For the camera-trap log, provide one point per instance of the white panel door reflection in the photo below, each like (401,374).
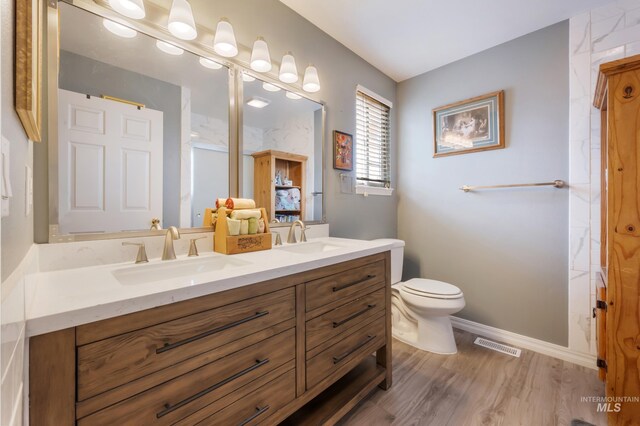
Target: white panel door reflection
(110,164)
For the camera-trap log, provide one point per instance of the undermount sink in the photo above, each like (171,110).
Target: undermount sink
(311,247)
(186,268)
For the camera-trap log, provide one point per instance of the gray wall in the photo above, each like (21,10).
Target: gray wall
(17,228)
(84,75)
(506,249)
(340,71)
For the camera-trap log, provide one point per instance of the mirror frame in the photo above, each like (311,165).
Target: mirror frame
(147,26)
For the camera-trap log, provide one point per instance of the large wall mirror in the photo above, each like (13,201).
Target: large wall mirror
(143,133)
(282,151)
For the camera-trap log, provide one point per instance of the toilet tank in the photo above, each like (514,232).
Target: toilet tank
(397,256)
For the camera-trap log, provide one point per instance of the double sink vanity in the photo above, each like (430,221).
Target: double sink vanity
(278,336)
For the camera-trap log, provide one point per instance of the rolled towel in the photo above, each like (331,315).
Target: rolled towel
(234,226)
(240,203)
(246,214)
(244,227)
(220,202)
(261,226)
(253,225)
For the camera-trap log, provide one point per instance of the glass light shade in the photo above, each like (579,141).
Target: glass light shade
(181,22)
(133,9)
(270,87)
(208,63)
(119,29)
(224,42)
(248,78)
(288,70)
(169,48)
(293,96)
(311,82)
(260,58)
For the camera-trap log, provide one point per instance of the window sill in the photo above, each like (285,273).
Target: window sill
(373,190)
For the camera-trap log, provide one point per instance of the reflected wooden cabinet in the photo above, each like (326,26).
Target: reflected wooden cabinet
(618,312)
(292,167)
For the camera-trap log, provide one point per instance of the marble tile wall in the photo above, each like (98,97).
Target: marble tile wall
(597,36)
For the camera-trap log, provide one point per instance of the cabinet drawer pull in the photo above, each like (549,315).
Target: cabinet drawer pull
(258,412)
(342,287)
(355,315)
(337,359)
(168,408)
(169,346)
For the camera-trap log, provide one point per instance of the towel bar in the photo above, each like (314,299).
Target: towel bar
(556,184)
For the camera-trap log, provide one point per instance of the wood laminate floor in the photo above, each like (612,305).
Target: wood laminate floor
(478,386)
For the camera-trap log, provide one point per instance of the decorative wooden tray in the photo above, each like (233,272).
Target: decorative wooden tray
(234,244)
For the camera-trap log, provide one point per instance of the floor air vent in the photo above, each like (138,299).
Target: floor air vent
(497,347)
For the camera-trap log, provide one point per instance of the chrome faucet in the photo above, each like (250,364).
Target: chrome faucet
(169,252)
(291,238)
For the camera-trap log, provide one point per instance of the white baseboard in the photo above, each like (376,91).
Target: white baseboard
(524,342)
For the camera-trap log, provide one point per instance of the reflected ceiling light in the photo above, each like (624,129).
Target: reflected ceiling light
(260,58)
(169,48)
(224,42)
(181,22)
(258,102)
(208,63)
(293,96)
(248,78)
(119,29)
(311,82)
(270,87)
(288,70)
(133,9)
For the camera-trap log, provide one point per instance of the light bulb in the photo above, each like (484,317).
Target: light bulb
(119,29)
(270,87)
(293,96)
(260,58)
(133,9)
(208,63)
(288,70)
(181,22)
(224,42)
(248,78)
(311,82)
(169,48)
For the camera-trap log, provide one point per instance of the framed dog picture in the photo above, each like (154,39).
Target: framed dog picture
(472,125)
(342,151)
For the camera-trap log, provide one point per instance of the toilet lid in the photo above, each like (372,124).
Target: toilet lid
(432,288)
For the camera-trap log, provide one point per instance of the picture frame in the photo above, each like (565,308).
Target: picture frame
(342,151)
(28,66)
(471,125)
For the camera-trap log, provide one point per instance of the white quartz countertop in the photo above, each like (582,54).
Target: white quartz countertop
(61,299)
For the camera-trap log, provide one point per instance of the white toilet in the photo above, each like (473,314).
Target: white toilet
(420,308)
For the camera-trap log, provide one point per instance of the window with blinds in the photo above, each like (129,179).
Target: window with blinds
(372,141)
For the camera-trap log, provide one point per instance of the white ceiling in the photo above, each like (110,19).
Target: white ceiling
(404,38)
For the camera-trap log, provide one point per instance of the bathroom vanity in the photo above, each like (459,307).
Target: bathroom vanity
(285,335)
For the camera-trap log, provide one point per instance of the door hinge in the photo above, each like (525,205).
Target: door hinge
(601,363)
(601,304)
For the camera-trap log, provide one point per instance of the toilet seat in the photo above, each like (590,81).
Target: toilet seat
(432,288)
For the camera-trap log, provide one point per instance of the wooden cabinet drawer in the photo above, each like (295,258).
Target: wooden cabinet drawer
(344,353)
(344,285)
(336,321)
(112,362)
(254,408)
(184,395)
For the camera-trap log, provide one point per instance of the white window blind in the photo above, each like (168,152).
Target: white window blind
(372,141)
